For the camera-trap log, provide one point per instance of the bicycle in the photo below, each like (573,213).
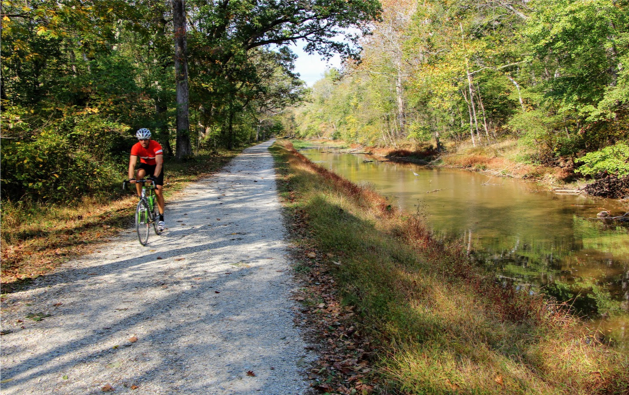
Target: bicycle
(146,213)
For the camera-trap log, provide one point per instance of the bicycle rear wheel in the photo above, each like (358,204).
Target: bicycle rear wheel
(156,219)
(142,221)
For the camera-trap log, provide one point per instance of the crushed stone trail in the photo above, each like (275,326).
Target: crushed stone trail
(205,308)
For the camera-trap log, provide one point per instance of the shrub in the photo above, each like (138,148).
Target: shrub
(64,166)
(613,160)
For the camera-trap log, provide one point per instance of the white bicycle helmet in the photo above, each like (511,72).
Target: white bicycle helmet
(143,134)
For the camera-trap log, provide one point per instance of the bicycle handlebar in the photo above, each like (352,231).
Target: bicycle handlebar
(142,181)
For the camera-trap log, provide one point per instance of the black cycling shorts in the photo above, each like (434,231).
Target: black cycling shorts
(150,170)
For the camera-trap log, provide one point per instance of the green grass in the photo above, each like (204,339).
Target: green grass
(439,324)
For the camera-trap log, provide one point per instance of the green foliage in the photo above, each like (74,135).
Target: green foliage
(585,298)
(78,77)
(483,69)
(62,168)
(613,160)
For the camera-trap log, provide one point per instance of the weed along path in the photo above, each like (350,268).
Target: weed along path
(205,308)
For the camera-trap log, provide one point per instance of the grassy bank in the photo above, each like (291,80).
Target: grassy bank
(37,238)
(408,314)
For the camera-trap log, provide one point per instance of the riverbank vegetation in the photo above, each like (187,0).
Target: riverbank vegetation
(408,314)
(480,73)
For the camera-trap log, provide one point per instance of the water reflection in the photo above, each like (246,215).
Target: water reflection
(533,236)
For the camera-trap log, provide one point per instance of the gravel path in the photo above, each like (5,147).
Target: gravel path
(204,308)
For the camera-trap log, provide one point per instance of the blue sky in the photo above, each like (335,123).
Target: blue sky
(311,67)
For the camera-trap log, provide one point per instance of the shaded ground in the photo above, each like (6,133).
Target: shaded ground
(204,308)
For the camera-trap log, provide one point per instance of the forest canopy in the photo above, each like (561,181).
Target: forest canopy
(80,76)
(553,74)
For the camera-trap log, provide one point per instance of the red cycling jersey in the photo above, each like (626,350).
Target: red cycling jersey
(147,155)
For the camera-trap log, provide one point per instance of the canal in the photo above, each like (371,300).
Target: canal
(542,240)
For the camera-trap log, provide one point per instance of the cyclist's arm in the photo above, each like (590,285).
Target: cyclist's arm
(132,161)
(159,160)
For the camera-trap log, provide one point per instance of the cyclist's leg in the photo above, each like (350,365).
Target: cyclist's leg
(139,174)
(159,191)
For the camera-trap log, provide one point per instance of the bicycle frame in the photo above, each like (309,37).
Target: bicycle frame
(146,211)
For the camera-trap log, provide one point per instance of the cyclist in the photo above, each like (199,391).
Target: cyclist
(151,163)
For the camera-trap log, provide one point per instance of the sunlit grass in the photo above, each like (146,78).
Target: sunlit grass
(441,324)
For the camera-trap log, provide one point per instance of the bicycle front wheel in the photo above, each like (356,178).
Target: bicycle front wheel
(142,221)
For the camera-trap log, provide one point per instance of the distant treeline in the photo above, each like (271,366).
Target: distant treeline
(552,73)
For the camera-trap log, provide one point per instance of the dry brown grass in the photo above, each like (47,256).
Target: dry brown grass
(440,325)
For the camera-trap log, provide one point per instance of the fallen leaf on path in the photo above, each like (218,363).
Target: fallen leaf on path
(107,388)
(159,257)
(251,374)
(133,339)
(134,387)
(57,304)
(37,316)
(180,259)
(312,255)
(216,292)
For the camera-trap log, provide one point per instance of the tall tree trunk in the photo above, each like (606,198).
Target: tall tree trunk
(401,107)
(160,109)
(482,106)
(517,86)
(184,148)
(469,110)
(3,93)
(470,85)
(471,90)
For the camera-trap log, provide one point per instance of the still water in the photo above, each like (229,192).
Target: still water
(522,232)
